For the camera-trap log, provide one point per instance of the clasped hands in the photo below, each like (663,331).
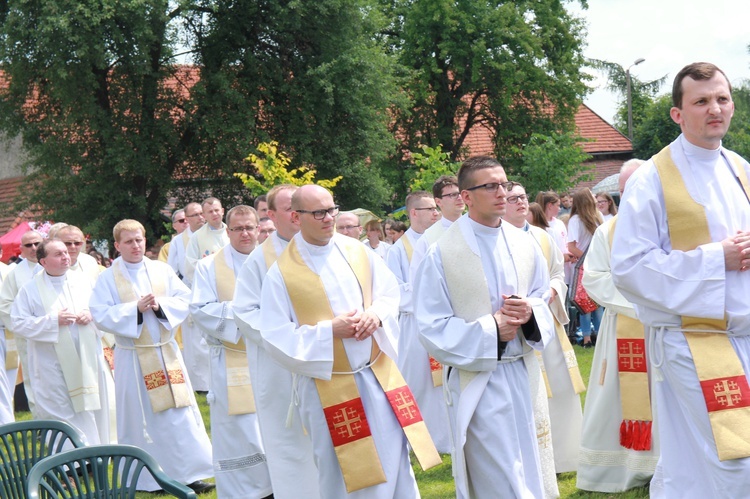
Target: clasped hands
(737,251)
(357,325)
(514,313)
(148,302)
(65,318)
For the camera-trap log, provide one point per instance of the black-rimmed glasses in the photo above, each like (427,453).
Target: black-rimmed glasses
(516,199)
(247,229)
(493,187)
(321,214)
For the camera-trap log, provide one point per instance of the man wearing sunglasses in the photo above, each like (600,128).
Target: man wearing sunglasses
(179,224)
(194,220)
(486,308)
(20,274)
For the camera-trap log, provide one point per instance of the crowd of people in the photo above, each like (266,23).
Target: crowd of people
(330,346)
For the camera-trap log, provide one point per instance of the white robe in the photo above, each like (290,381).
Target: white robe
(381,250)
(177,249)
(492,420)
(176,437)
(194,347)
(39,325)
(7,386)
(664,284)
(565,410)
(307,351)
(605,465)
(414,362)
(288,447)
(17,276)
(239,459)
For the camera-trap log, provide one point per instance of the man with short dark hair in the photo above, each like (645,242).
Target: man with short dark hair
(680,254)
(195,220)
(266,228)
(486,309)
(238,454)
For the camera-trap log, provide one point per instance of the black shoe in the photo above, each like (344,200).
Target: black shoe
(199,486)
(588,345)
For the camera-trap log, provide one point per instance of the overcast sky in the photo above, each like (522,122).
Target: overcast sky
(667,33)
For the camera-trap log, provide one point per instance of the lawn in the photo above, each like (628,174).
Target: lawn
(437,483)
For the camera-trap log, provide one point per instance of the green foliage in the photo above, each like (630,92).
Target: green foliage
(512,67)
(431,165)
(273,166)
(655,129)
(738,137)
(309,75)
(642,93)
(552,162)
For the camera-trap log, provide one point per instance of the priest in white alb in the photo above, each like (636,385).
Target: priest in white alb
(141,302)
(486,308)
(328,314)
(64,351)
(239,459)
(681,254)
(287,444)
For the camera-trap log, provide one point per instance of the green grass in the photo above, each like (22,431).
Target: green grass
(437,483)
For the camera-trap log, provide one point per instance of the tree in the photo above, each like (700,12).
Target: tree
(511,67)
(655,129)
(104,119)
(642,93)
(431,165)
(273,166)
(309,75)
(552,162)
(738,137)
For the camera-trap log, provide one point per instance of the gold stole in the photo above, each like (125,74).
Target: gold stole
(79,371)
(568,353)
(632,365)
(269,252)
(719,369)
(208,242)
(239,390)
(165,389)
(436,368)
(342,405)
(185,239)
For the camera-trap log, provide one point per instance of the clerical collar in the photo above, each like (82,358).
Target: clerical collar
(316,250)
(220,228)
(132,266)
(697,152)
(483,230)
(236,255)
(55,279)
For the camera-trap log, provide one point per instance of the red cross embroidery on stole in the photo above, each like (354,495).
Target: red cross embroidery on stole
(155,379)
(176,377)
(347,422)
(631,355)
(404,406)
(434,364)
(726,393)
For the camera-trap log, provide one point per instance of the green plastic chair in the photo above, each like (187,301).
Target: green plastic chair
(25,443)
(112,472)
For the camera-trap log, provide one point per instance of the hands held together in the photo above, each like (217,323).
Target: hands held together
(355,325)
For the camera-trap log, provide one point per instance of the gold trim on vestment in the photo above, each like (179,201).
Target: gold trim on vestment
(719,369)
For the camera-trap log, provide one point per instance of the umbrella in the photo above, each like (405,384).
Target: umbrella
(609,184)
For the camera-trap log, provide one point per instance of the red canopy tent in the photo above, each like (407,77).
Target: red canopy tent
(11,241)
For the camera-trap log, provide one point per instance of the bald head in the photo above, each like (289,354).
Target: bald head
(29,242)
(309,202)
(348,224)
(626,171)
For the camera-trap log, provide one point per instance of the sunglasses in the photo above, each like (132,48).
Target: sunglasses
(30,245)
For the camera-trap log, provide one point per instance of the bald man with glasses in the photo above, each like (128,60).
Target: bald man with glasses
(20,274)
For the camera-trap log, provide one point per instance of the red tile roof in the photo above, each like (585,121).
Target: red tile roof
(606,137)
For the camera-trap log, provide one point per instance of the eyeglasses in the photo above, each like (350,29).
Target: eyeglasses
(73,243)
(452,195)
(180,221)
(516,199)
(348,227)
(321,214)
(240,230)
(493,187)
(429,208)
(31,245)
(195,215)
(602,201)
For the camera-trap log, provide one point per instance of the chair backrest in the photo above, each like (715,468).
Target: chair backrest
(111,471)
(23,444)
